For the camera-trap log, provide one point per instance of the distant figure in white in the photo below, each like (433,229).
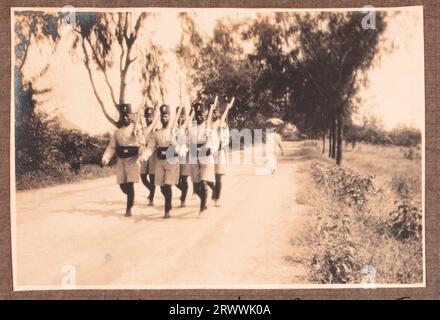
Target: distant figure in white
(274,143)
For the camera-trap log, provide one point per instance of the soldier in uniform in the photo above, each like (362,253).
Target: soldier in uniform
(185,170)
(200,155)
(148,168)
(164,142)
(221,133)
(126,144)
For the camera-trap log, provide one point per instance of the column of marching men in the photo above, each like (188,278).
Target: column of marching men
(167,151)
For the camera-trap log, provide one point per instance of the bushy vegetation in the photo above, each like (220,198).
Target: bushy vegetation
(371,131)
(45,152)
(345,186)
(359,220)
(48,154)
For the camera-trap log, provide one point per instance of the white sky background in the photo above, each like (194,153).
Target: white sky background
(395,94)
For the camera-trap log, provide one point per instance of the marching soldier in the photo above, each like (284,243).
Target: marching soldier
(125,143)
(200,156)
(148,168)
(221,132)
(163,141)
(185,170)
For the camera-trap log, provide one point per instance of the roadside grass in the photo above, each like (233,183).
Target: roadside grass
(362,221)
(61,175)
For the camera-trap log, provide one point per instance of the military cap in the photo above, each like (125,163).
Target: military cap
(182,111)
(199,108)
(149,111)
(124,108)
(164,109)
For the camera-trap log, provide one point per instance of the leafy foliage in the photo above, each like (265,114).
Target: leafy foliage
(347,229)
(345,186)
(406,221)
(33,25)
(371,131)
(337,262)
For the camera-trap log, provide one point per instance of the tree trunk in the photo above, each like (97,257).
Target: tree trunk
(124,72)
(334,139)
(339,140)
(323,143)
(330,142)
(122,87)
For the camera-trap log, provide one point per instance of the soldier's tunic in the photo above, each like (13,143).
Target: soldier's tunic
(185,168)
(201,157)
(149,166)
(220,154)
(166,170)
(124,143)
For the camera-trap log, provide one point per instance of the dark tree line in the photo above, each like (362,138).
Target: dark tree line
(305,68)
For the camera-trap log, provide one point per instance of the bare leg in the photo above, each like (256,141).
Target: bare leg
(152,189)
(167,193)
(203,195)
(183,186)
(218,189)
(128,189)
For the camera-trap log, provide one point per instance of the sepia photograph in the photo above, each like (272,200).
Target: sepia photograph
(217,148)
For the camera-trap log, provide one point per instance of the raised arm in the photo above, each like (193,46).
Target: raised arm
(210,112)
(188,119)
(176,118)
(225,113)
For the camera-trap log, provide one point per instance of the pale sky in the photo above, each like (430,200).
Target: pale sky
(395,94)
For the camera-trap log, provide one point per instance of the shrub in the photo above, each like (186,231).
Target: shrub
(345,186)
(406,136)
(352,220)
(406,221)
(335,258)
(404,186)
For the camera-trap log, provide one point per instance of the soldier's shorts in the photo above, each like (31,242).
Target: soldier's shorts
(185,168)
(203,170)
(149,167)
(127,170)
(221,161)
(166,173)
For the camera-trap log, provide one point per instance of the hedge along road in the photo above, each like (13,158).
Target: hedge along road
(77,234)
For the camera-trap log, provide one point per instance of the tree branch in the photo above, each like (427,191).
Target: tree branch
(138,24)
(89,71)
(104,71)
(20,67)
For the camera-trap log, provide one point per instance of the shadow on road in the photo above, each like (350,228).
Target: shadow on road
(141,212)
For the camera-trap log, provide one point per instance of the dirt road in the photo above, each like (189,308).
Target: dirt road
(78,231)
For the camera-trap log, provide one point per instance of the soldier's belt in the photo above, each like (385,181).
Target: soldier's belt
(162,152)
(127,152)
(202,148)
